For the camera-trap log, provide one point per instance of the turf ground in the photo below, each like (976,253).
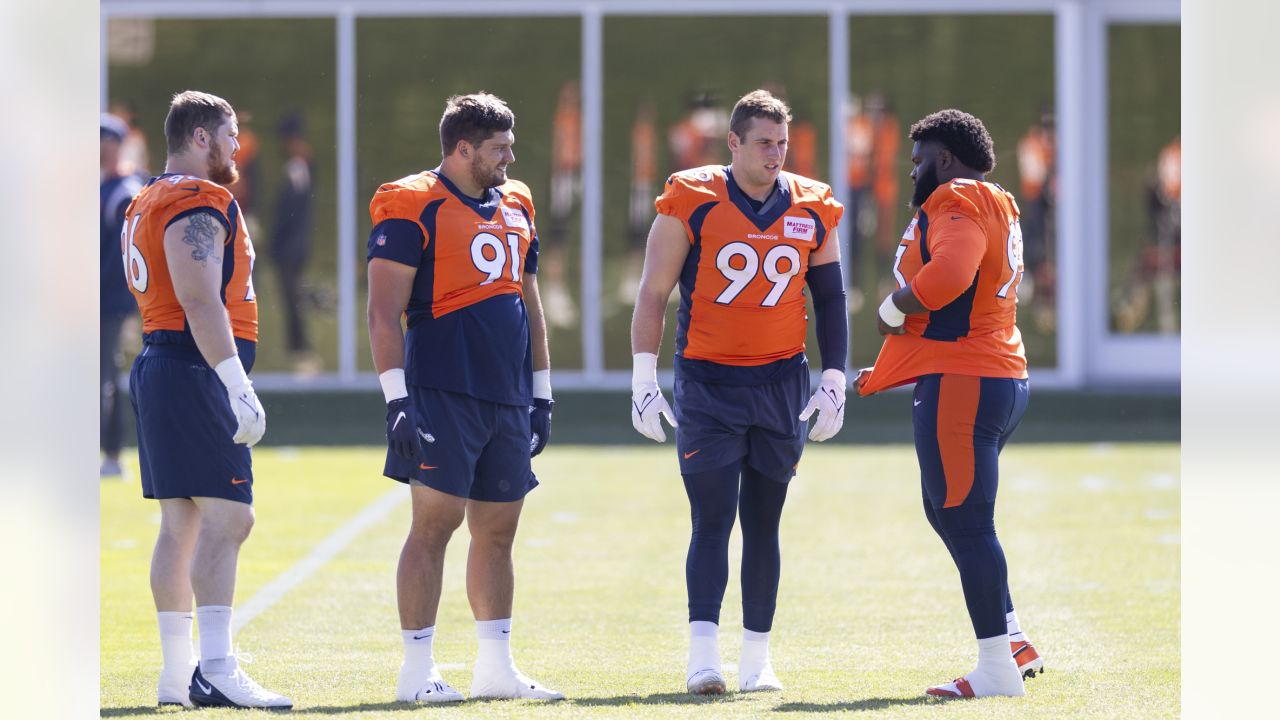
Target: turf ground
(870,610)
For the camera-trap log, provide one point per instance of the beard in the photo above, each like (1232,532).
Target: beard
(487,177)
(926,183)
(225,173)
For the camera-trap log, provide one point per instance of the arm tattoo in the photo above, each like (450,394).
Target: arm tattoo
(200,234)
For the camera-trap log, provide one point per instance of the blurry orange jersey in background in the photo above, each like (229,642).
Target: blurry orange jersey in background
(962,256)
(742,286)
(165,200)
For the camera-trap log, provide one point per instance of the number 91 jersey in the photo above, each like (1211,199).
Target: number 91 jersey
(742,297)
(468,328)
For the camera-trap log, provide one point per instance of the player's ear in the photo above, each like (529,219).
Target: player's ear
(734,141)
(463,148)
(945,158)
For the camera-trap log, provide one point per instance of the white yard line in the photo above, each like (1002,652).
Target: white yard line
(337,541)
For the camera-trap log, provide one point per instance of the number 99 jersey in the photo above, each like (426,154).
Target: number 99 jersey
(468,328)
(962,256)
(742,298)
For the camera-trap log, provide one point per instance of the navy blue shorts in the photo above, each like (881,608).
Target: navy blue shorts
(480,449)
(961,424)
(720,425)
(185,426)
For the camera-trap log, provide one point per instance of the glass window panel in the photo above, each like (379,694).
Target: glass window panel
(901,68)
(1144,178)
(287,158)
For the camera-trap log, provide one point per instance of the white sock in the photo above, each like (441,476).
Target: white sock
(704,647)
(997,673)
(419,661)
(755,652)
(175,643)
(215,639)
(1014,629)
(495,645)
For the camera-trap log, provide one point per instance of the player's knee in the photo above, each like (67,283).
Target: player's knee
(231,528)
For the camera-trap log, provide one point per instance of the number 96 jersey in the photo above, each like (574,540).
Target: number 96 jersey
(742,287)
(468,328)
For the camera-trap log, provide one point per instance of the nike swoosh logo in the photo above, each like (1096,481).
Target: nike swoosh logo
(917,402)
(193,188)
(834,399)
(249,405)
(423,466)
(506,632)
(398,419)
(648,400)
(203,688)
(691,454)
(234,481)
(420,637)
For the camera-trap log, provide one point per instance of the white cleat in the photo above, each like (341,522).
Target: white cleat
(433,690)
(510,686)
(175,689)
(234,690)
(707,681)
(763,681)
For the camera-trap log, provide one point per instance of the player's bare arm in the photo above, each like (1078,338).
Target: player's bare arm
(193,248)
(390,285)
(829,252)
(537,323)
(664,257)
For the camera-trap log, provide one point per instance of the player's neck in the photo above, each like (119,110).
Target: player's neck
(461,179)
(186,165)
(757,192)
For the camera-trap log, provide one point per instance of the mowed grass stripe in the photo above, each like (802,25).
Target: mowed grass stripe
(870,609)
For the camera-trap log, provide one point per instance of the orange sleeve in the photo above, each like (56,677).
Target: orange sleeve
(682,194)
(192,196)
(394,201)
(522,193)
(832,210)
(956,247)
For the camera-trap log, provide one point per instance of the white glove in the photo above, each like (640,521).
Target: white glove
(828,402)
(647,403)
(251,419)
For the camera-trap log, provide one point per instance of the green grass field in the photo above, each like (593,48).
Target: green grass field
(870,610)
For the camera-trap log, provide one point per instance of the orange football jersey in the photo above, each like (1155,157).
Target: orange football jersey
(165,200)
(962,256)
(742,286)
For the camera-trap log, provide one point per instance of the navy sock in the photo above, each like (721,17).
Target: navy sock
(713,503)
(760,509)
(970,534)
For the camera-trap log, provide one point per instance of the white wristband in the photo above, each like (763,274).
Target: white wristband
(231,372)
(393,387)
(542,384)
(644,369)
(890,314)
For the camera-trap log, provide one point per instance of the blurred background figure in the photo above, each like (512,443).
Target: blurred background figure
(133,149)
(802,136)
(119,183)
(566,193)
(1037,173)
(644,178)
(886,139)
(698,138)
(245,189)
(1158,268)
(290,243)
(857,150)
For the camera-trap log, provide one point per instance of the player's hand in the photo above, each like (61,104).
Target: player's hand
(648,407)
(862,377)
(404,431)
(828,402)
(251,419)
(539,425)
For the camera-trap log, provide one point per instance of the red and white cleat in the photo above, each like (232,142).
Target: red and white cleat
(1029,661)
(958,688)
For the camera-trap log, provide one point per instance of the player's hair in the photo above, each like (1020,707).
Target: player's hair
(757,104)
(191,109)
(961,133)
(473,118)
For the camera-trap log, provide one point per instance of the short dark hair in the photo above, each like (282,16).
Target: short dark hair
(473,118)
(962,134)
(191,109)
(757,104)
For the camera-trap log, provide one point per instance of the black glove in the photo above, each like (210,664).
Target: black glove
(539,425)
(404,431)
